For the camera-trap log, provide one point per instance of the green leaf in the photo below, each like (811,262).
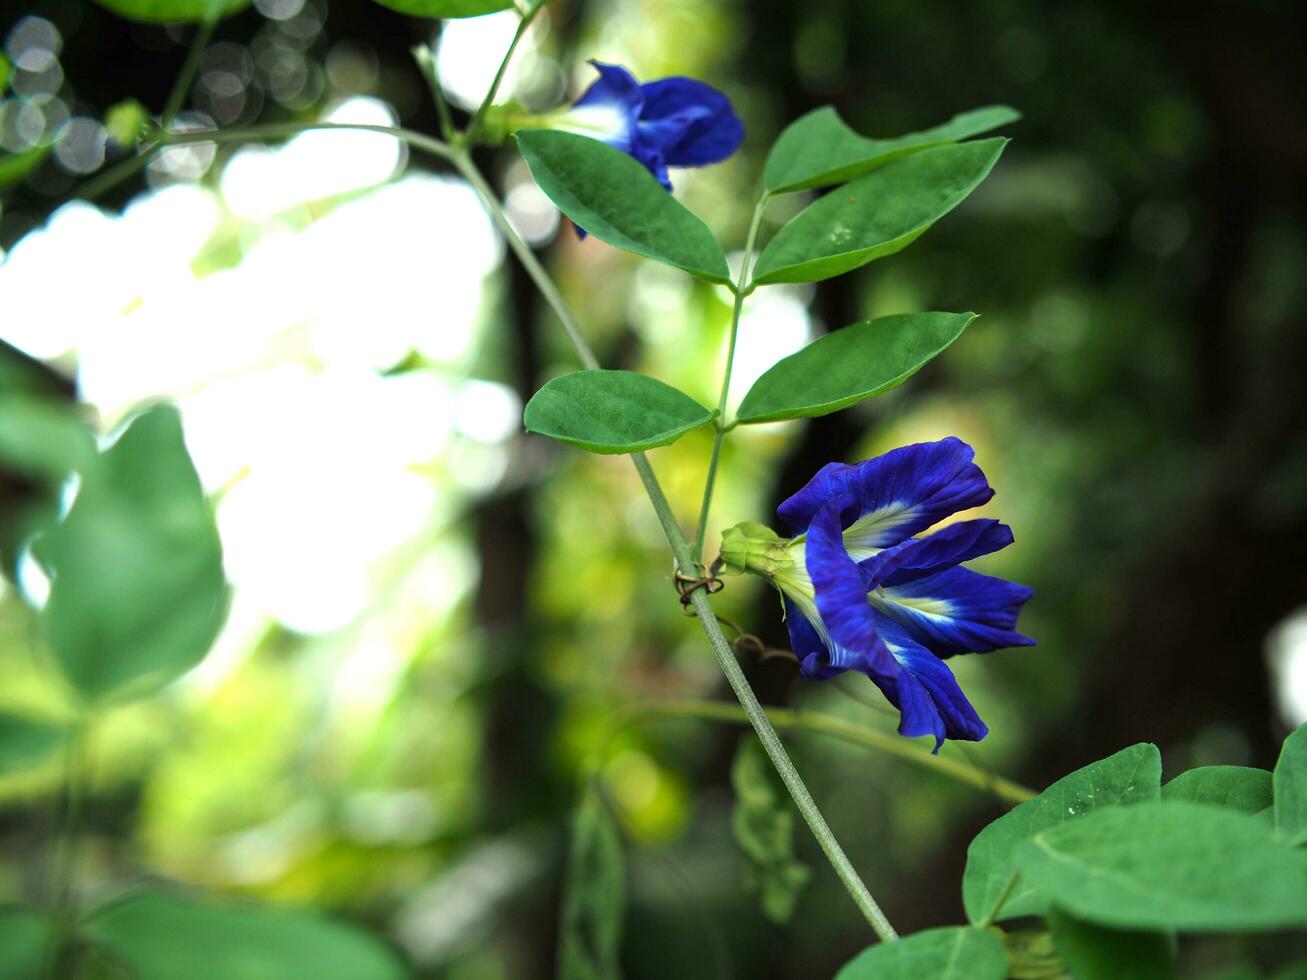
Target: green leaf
(6,70)
(1291,788)
(159,936)
(1169,865)
(845,367)
(952,953)
(613,412)
(877,214)
(1094,952)
(613,197)
(1233,787)
(1131,775)
(15,166)
(820,149)
(26,944)
(763,821)
(172,11)
(42,438)
(26,741)
(137,593)
(446,9)
(126,122)
(594,898)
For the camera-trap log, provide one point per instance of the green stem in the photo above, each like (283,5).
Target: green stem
(191,66)
(742,289)
(427,65)
(64,890)
(474,127)
(823,724)
(274,131)
(685,562)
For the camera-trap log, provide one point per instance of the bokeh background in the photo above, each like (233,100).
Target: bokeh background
(436,618)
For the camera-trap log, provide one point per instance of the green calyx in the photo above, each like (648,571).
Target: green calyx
(756,548)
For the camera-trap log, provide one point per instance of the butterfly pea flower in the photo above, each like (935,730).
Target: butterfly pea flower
(865,589)
(669,122)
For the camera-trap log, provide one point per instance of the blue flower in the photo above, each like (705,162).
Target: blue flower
(671,122)
(863,592)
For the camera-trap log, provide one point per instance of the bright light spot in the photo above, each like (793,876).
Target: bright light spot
(1286,654)
(486,411)
(22,124)
(33,44)
(531,213)
(80,146)
(32,580)
(279,9)
(188,161)
(775,324)
(259,182)
(469,53)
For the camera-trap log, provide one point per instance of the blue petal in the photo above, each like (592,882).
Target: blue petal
(615,101)
(949,546)
(709,128)
(894,496)
(841,596)
(928,694)
(956,611)
(814,663)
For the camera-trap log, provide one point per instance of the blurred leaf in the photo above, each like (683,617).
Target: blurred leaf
(1131,775)
(26,944)
(1094,952)
(446,8)
(877,214)
(171,11)
(15,166)
(1295,971)
(125,122)
(844,367)
(6,70)
(164,937)
(1291,787)
(137,593)
(1233,787)
(26,741)
(952,953)
(594,898)
(42,438)
(612,411)
(819,148)
(1172,865)
(613,197)
(763,821)
(1032,956)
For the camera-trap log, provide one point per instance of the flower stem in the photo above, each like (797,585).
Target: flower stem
(824,724)
(474,127)
(191,66)
(742,289)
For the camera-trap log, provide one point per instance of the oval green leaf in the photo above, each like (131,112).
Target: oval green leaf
(1291,788)
(26,943)
(876,215)
(614,198)
(820,149)
(447,9)
(162,937)
(951,953)
(137,593)
(1233,787)
(1169,865)
(25,742)
(1131,775)
(613,412)
(173,11)
(1094,952)
(857,362)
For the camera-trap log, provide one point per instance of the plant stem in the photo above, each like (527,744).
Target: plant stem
(474,127)
(273,131)
(191,66)
(823,724)
(427,65)
(63,881)
(742,289)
